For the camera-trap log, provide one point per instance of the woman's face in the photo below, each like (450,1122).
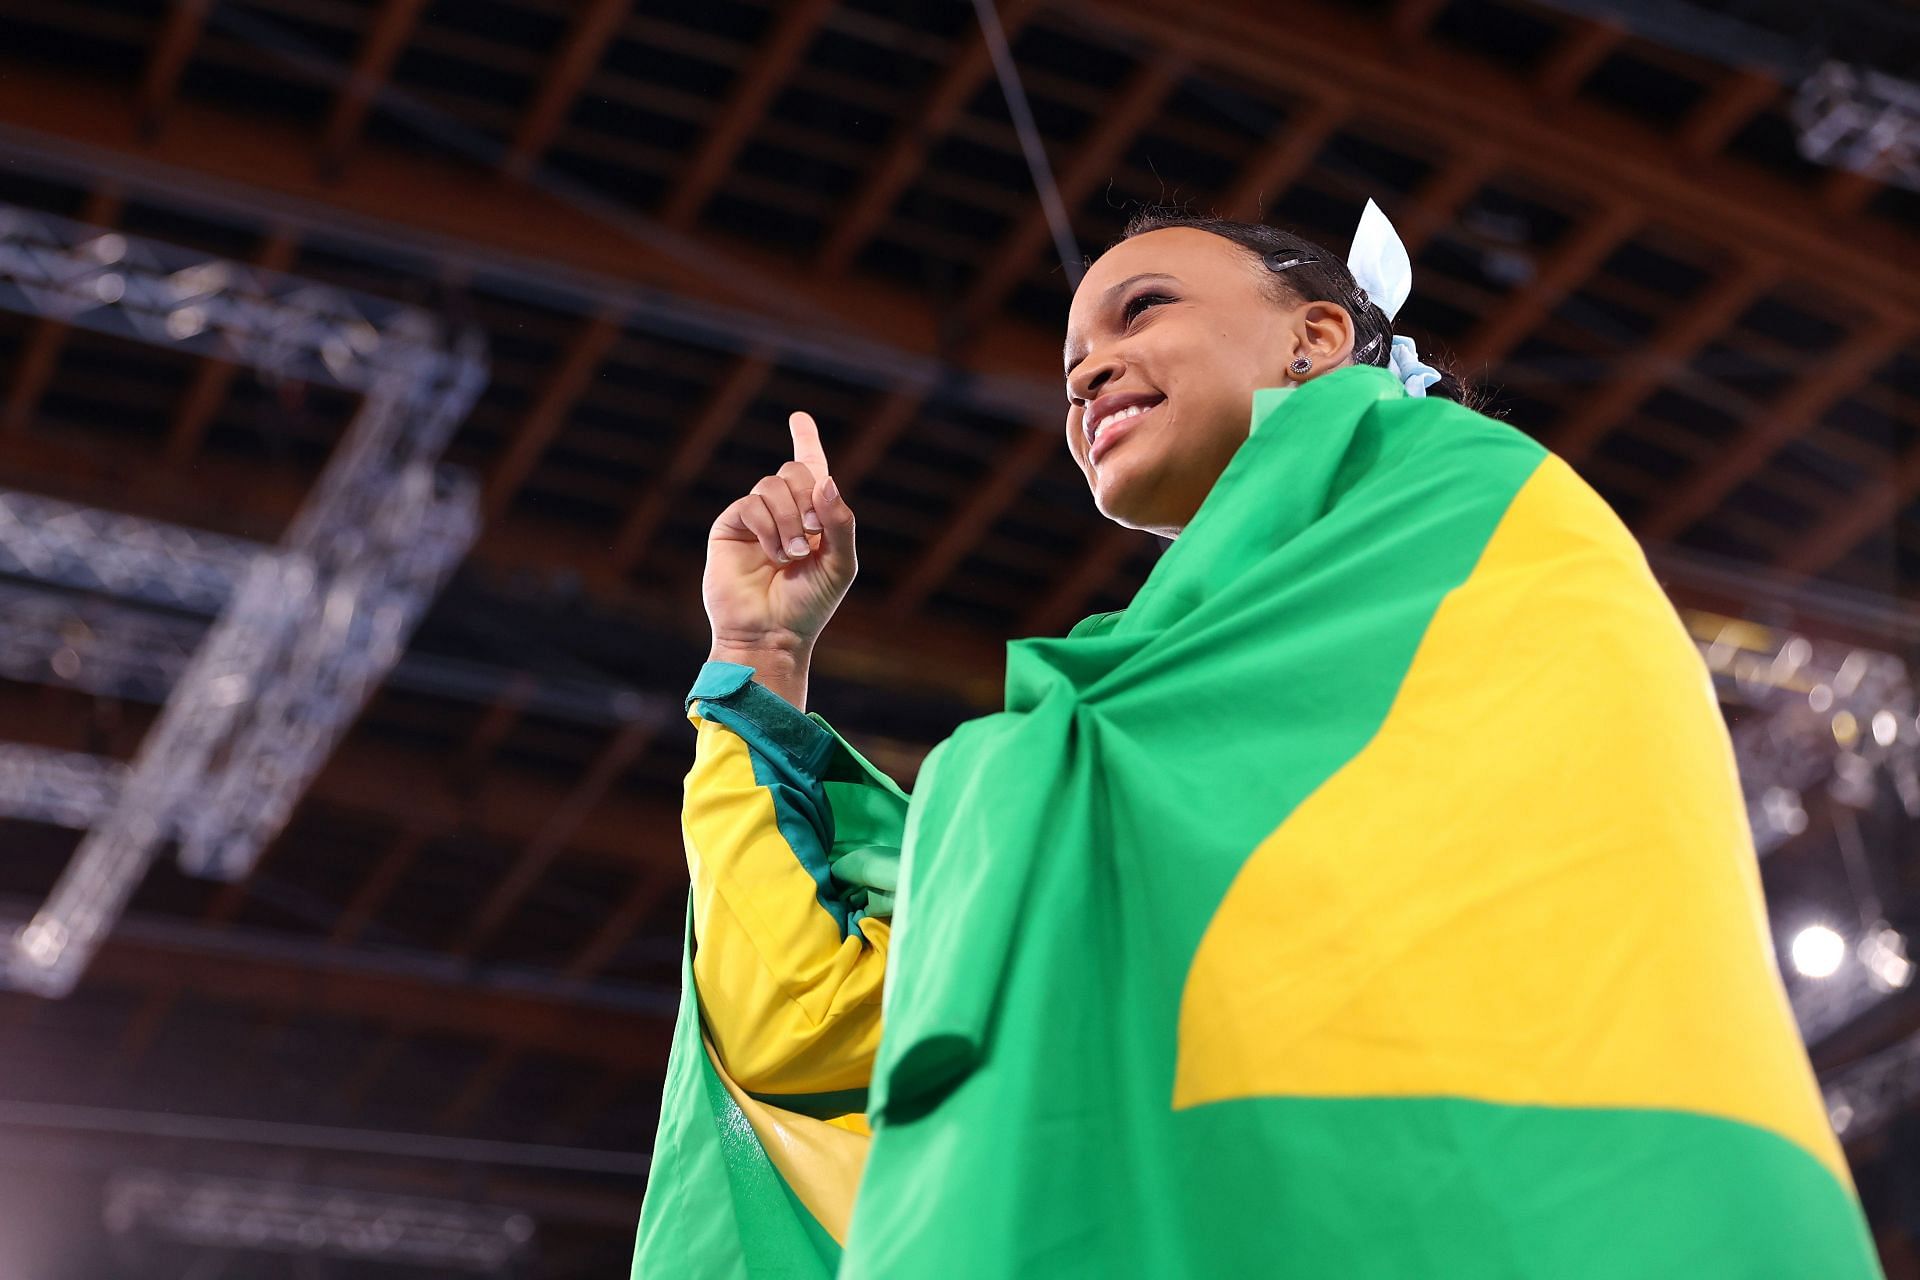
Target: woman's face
(1175,328)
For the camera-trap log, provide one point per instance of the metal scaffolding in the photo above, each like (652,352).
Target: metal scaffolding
(305,630)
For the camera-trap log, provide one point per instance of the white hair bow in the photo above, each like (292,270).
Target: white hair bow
(1384,272)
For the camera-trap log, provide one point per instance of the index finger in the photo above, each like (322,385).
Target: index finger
(806,443)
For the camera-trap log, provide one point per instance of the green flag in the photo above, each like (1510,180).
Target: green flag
(1372,897)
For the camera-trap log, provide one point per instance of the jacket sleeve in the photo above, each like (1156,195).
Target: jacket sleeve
(792,842)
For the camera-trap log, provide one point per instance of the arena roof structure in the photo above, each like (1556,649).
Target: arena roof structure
(451,975)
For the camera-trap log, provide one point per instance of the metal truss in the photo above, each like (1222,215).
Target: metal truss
(1857,118)
(1832,716)
(105,647)
(1818,714)
(287,1217)
(305,630)
(60,788)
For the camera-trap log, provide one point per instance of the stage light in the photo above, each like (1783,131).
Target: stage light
(1783,810)
(1883,953)
(1886,727)
(1818,951)
(1846,729)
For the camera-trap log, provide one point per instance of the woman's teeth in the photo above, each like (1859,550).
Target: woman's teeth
(1131,411)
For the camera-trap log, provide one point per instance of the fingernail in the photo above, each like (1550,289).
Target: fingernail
(830,491)
(798,546)
(811,520)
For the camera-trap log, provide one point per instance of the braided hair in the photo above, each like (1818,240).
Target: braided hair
(1298,270)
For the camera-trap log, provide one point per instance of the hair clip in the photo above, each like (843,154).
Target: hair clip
(1277,263)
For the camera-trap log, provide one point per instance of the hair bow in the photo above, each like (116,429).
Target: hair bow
(1384,272)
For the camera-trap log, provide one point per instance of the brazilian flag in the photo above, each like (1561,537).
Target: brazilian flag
(1372,897)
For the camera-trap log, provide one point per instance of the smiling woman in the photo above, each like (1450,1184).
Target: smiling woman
(1173,330)
(1371,897)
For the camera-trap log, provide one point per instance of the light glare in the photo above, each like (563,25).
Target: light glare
(1817,951)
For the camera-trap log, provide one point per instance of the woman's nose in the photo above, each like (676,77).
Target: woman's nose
(1093,374)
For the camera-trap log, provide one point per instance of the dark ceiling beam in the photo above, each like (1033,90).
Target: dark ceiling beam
(47,337)
(1566,265)
(560,827)
(760,80)
(459,216)
(1578,55)
(1852,521)
(1737,99)
(1439,198)
(594,28)
(142,1029)
(869,442)
(734,396)
(908,149)
(145,1026)
(1308,46)
(214,377)
(464,773)
(1885,1023)
(1098,563)
(415,992)
(648,888)
(512,808)
(1410,19)
(601,947)
(179,36)
(356,1084)
(477,1088)
(1265,178)
(1687,330)
(566,383)
(379,885)
(1845,192)
(1829,378)
(391,29)
(576,1121)
(471,763)
(1092,162)
(975,515)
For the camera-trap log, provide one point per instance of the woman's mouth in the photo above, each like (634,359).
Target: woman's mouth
(1115,428)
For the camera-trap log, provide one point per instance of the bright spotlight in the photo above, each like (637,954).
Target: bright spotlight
(1817,951)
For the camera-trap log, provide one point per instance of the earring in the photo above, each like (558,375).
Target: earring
(1301,367)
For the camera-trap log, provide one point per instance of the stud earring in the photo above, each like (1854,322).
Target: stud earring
(1301,367)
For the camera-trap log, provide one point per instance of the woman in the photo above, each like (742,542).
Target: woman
(1371,897)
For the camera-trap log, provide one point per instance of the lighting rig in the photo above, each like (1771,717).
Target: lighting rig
(314,1221)
(305,630)
(1833,718)
(1853,117)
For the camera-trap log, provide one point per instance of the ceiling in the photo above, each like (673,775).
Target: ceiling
(676,222)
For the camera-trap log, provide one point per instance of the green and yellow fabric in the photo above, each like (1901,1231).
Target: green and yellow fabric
(793,847)
(1372,897)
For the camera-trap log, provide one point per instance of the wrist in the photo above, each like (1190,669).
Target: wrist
(766,659)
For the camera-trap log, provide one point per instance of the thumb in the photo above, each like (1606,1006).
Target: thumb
(836,518)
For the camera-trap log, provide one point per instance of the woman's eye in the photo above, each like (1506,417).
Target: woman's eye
(1141,303)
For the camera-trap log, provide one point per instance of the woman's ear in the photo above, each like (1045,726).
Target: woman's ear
(1325,334)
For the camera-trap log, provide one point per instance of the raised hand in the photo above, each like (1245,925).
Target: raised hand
(780,559)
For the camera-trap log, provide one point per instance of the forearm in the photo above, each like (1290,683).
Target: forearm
(784,671)
(788,983)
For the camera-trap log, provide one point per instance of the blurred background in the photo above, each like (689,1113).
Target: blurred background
(371,370)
